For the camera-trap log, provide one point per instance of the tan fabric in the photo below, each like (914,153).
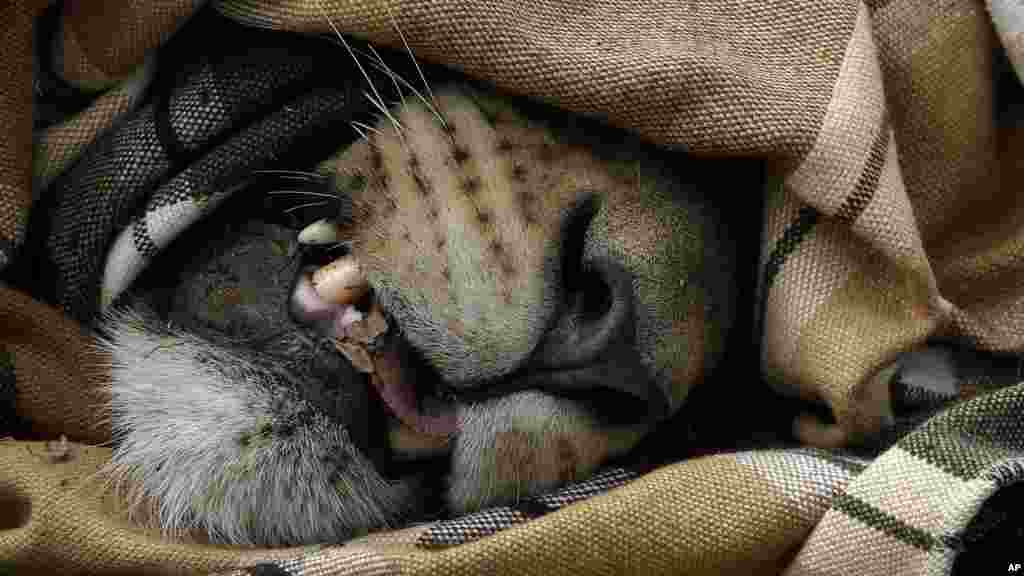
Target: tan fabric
(57,148)
(695,75)
(104,42)
(58,519)
(716,515)
(893,216)
(16,118)
(58,378)
(945,470)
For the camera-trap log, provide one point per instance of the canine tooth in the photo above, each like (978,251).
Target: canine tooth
(341,281)
(320,232)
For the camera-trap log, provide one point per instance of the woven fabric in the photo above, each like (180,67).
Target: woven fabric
(16,117)
(60,146)
(59,519)
(131,182)
(101,44)
(739,513)
(890,131)
(946,470)
(57,379)
(474,526)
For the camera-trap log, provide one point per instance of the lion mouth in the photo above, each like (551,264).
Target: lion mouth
(374,348)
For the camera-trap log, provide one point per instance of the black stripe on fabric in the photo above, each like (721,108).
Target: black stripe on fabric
(794,234)
(949,451)
(884,522)
(532,508)
(141,239)
(863,192)
(807,217)
(970,437)
(267,570)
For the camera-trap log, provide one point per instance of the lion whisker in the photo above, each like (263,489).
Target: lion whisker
(294,174)
(419,70)
(361,132)
(396,78)
(362,126)
(301,206)
(389,72)
(379,101)
(302,193)
(379,104)
(364,136)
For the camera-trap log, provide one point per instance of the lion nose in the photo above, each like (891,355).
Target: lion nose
(590,354)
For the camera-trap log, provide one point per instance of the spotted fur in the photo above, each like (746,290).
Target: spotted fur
(460,210)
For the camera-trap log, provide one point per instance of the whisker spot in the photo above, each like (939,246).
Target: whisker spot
(471,185)
(422,185)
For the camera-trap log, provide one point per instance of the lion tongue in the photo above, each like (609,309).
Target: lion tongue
(397,387)
(388,364)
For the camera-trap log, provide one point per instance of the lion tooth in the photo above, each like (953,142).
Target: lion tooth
(320,232)
(341,281)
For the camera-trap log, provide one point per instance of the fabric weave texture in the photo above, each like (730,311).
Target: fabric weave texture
(890,130)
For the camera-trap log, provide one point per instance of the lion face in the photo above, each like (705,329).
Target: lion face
(536,267)
(560,287)
(499,242)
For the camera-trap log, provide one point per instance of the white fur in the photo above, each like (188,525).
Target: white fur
(180,407)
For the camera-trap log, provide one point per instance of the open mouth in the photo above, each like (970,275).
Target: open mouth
(363,334)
